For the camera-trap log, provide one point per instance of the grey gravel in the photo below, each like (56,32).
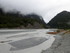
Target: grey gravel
(60,45)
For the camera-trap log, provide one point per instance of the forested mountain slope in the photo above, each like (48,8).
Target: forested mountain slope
(17,20)
(61,20)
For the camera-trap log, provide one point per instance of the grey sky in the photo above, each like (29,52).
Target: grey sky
(46,8)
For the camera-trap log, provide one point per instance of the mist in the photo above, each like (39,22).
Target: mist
(45,8)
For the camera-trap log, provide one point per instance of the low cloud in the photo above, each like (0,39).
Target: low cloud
(46,8)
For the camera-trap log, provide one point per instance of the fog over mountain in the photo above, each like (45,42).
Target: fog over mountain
(46,8)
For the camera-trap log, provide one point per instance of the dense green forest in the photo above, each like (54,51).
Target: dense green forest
(61,21)
(17,20)
(14,19)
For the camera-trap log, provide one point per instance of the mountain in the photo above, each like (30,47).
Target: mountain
(17,20)
(61,20)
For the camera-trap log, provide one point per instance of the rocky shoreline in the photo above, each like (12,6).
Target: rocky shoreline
(60,45)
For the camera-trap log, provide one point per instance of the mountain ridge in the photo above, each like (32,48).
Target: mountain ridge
(17,20)
(61,20)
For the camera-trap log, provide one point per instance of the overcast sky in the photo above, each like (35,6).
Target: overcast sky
(46,8)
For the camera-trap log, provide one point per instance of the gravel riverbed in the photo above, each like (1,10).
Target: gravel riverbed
(60,45)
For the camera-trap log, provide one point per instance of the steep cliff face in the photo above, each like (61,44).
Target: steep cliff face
(61,20)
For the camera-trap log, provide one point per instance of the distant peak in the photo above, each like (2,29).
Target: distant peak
(64,11)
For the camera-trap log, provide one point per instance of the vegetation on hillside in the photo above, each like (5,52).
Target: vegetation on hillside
(17,20)
(61,21)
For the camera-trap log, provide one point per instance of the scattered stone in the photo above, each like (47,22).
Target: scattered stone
(60,45)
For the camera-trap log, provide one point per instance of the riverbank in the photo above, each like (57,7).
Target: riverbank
(60,45)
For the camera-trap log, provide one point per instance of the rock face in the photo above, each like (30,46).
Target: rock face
(61,45)
(61,20)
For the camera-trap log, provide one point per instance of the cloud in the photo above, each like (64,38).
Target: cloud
(46,8)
